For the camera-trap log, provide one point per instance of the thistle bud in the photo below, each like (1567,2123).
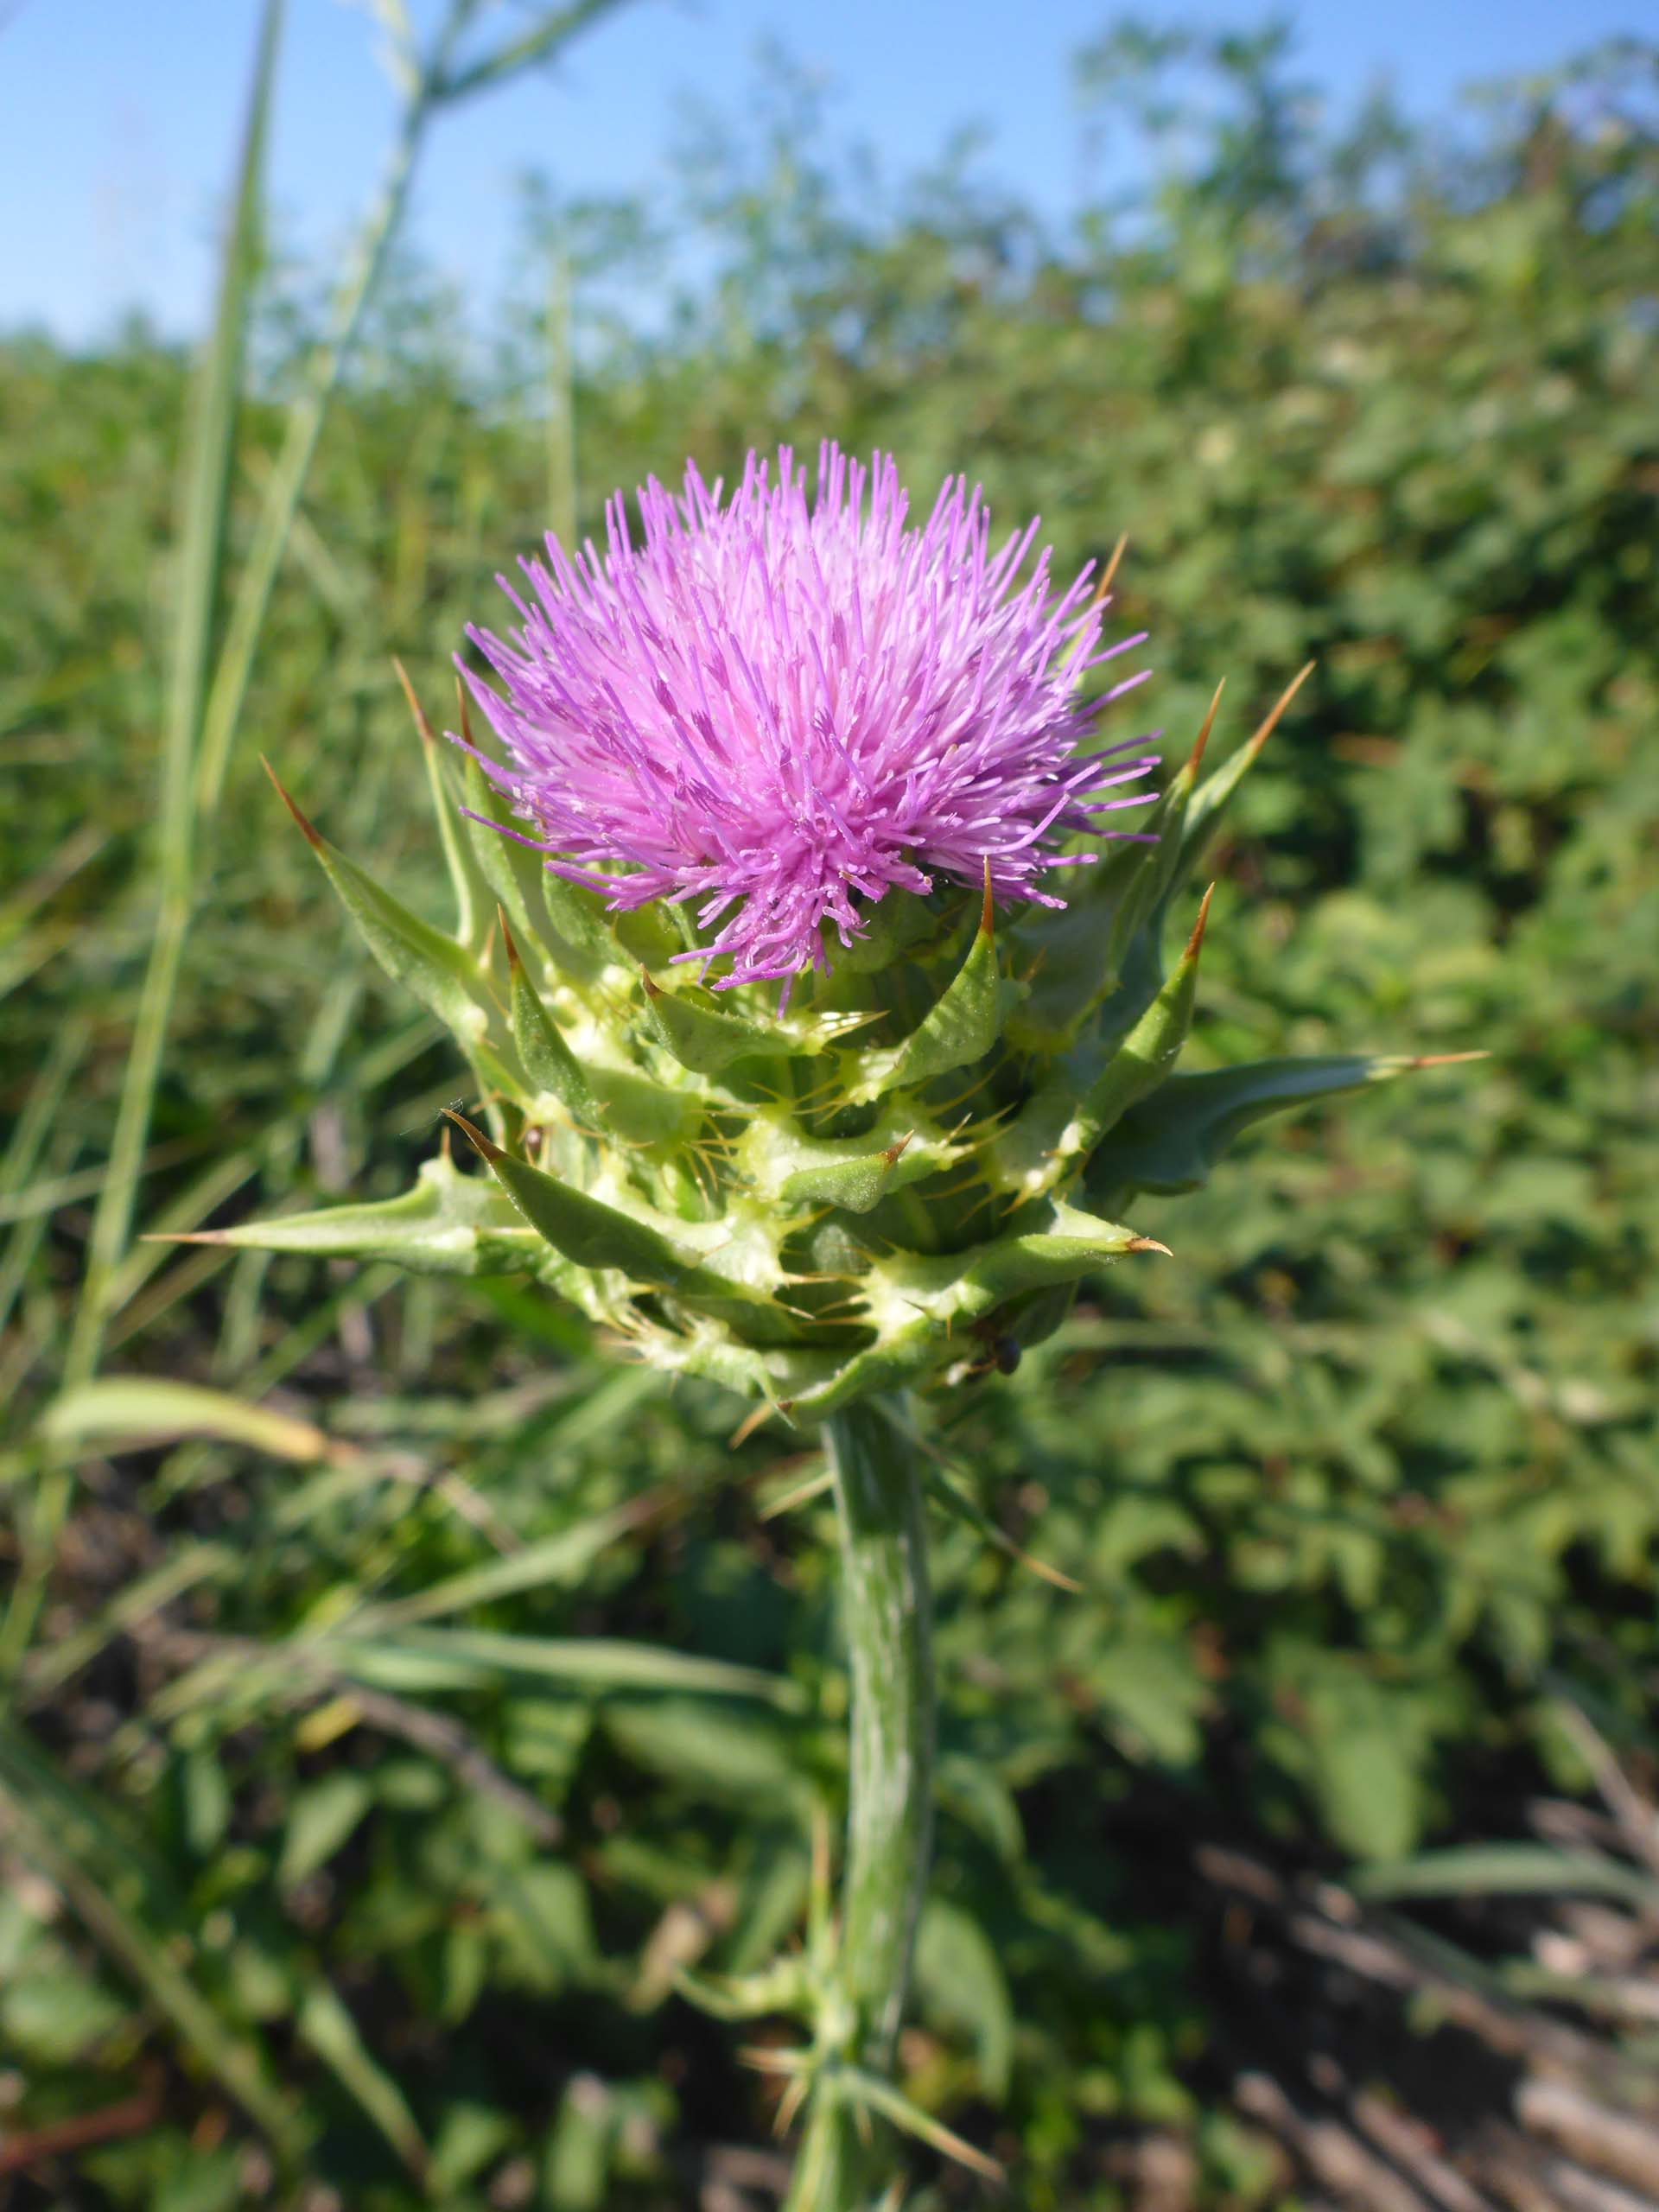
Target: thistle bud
(794,1068)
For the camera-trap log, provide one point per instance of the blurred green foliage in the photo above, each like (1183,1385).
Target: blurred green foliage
(331,1854)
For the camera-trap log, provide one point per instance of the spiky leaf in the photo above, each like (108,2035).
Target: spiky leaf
(1174,1138)
(562,916)
(780,1164)
(441,974)
(583,1229)
(547,1060)
(1066,1121)
(960,1027)
(590,1233)
(704,1039)
(449,1224)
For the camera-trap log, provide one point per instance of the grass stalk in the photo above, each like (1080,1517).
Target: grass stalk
(561,402)
(206,694)
(209,461)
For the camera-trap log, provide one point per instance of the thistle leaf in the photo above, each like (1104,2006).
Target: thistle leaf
(512,868)
(638,1111)
(1058,1129)
(1210,801)
(449,1224)
(780,1164)
(443,974)
(704,1039)
(1084,948)
(1173,1138)
(568,921)
(857,1183)
(590,1233)
(1067,1245)
(582,1230)
(919,1306)
(961,1027)
(466,877)
(547,1060)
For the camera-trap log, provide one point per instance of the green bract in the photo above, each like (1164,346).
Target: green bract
(904,1176)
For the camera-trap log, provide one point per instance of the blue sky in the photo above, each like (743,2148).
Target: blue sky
(118,117)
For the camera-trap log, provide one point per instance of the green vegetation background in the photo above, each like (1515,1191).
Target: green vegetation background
(1361,1484)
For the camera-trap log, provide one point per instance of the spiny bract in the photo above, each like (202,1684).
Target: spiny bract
(905,1173)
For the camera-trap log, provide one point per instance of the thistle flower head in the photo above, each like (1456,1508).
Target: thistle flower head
(778,709)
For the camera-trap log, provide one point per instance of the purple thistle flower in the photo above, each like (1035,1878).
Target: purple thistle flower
(784,709)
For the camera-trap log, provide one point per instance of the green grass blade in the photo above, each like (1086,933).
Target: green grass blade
(463,1658)
(34,1127)
(141,1410)
(560,1559)
(332,2033)
(204,507)
(205,503)
(561,402)
(183,1568)
(274,530)
(539,43)
(1506,1870)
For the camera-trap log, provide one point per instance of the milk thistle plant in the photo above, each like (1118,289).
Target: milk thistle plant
(812,982)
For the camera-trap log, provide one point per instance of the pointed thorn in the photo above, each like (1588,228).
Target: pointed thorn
(986,925)
(514,963)
(186,1236)
(1112,566)
(747,1426)
(1445,1059)
(789,2106)
(1053,1575)
(1196,940)
(485,1146)
(653,989)
(1146,1244)
(895,1153)
(1203,734)
(312,835)
(767,2059)
(1285,697)
(415,706)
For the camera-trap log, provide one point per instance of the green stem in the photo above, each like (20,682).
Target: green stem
(885,1605)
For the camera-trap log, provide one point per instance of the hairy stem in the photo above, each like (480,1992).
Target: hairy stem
(885,1601)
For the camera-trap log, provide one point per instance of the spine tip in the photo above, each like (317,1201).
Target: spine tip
(312,835)
(1209,724)
(415,706)
(1284,699)
(485,1148)
(1195,942)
